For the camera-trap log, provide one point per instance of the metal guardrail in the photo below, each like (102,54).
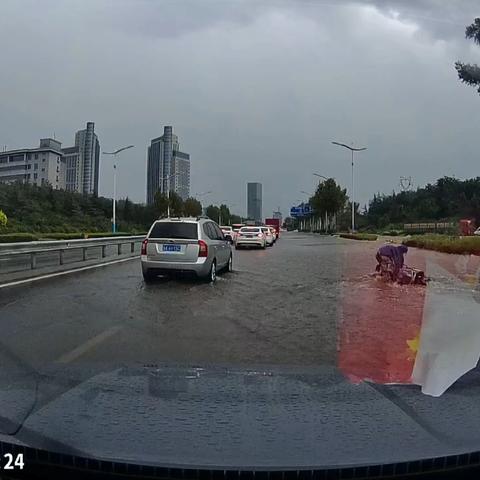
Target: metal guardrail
(61,246)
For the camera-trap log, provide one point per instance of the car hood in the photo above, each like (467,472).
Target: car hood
(262,417)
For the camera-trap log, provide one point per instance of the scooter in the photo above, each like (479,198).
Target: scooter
(405,276)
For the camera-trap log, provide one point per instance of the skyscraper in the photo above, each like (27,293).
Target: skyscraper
(254,201)
(166,163)
(83,162)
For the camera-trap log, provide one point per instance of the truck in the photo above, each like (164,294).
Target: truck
(275,223)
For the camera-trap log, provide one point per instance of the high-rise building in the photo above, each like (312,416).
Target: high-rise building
(71,156)
(89,149)
(83,162)
(181,169)
(168,169)
(37,166)
(254,201)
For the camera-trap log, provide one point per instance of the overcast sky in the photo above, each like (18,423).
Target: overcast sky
(256,91)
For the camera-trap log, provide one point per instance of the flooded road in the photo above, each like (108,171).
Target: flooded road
(299,338)
(280,305)
(308,300)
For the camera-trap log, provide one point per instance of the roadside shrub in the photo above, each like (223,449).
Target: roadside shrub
(63,236)
(110,234)
(359,236)
(17,237)
(446,244)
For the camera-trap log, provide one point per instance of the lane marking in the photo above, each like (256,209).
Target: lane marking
(66,272)
(88,345)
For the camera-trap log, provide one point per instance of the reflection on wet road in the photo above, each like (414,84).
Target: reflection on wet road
(288,342)
(308,301)
(280,306)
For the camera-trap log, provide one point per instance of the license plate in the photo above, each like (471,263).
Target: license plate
(171,248)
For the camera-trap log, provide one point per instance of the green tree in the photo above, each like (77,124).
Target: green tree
(468,73)
(328,201)
(160,202)
(225,215)
(127,210)
(3,219)
(235,219)
(192,207)
(213,212)
(176,205)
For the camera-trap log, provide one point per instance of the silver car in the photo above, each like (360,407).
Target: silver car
(185,245)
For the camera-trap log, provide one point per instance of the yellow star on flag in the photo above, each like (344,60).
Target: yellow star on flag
(413,346)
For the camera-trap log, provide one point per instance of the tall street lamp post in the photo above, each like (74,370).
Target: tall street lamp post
(115,153)
(353,190)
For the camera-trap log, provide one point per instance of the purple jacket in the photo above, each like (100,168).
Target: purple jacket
(396,253)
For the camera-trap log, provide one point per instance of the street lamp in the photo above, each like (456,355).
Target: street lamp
(115,153)
(353,191)
(321,176)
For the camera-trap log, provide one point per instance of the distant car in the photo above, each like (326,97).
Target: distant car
(274,233)
(185,245)
(229,233)
(477,231)
(250,237)
(269,236)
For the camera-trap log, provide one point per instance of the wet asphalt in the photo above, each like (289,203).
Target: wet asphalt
(278,306)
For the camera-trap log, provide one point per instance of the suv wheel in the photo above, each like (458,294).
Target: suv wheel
(230,264)
(212,276)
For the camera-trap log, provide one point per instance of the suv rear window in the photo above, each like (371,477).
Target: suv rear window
(250,230)
(185,231)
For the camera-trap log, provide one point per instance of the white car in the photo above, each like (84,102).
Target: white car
(477,231)
(274,233)
(229,233)
(269,236)
(250,237)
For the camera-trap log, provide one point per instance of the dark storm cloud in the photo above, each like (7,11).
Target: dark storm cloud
(442,19)
(256,91)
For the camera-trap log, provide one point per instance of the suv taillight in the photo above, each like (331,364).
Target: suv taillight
(202,249)
(144,247)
